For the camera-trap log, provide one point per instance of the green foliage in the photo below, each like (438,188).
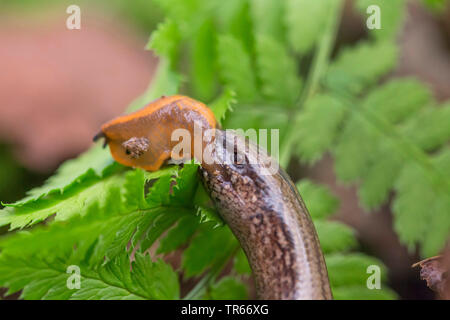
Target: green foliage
(426,221)
(436,5)
(242,58)
(238,76)
(267,18)
(122,221)
(318,199)
(373,59)
(305,21)
(164,40)
(93,163)
(279,81)
(39,278)
(241,265)
(386,140)
(223,104)
(228,288)
(391,16)
(206,249)
(326,113)
(203,69)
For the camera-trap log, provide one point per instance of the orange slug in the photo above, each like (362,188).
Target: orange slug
(262,208)
(143,138)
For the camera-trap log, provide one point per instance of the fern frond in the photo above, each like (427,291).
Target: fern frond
(179,235)
(64,206)
(318,199)
(318,125)
(335,236)
(239,77)
(429,129)
(277,71)
(426,221)
(165,40)
(92,164)
(208,247)
(304,21)
(203,56)
(373,60)
(240,264)
(223,104)
(42,279)
(267,18)
(228,288)
(375,141)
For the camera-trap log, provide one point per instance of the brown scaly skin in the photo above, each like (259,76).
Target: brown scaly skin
(268,216)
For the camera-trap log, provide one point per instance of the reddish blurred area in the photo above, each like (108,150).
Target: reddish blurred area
(57,86)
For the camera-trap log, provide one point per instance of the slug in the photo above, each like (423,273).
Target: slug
(263,208)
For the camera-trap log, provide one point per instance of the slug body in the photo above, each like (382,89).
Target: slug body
(143,139)
(263,209)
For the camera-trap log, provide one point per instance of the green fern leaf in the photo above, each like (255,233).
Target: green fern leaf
(165,40)
(203,57)
(429,129)
(305,21)
(62,206)
(318,199)
(397,99)
(318,126)
(426,221)
(238,76)
(379,178)
(179,234)
(241,265)
(228,288)
(208,247)
(94,163)
(353,156)
(335,236)
(267,18)
(351,269)
(41,279)
(373,61)
(223,104)
(279,80)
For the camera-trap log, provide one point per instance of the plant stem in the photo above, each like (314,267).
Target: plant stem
(320,64)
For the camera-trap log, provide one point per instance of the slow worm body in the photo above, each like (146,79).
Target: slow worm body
(263,208)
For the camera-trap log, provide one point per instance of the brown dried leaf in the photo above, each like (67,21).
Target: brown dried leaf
(435,271)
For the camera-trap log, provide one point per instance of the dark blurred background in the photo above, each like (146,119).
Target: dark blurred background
(57,86)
